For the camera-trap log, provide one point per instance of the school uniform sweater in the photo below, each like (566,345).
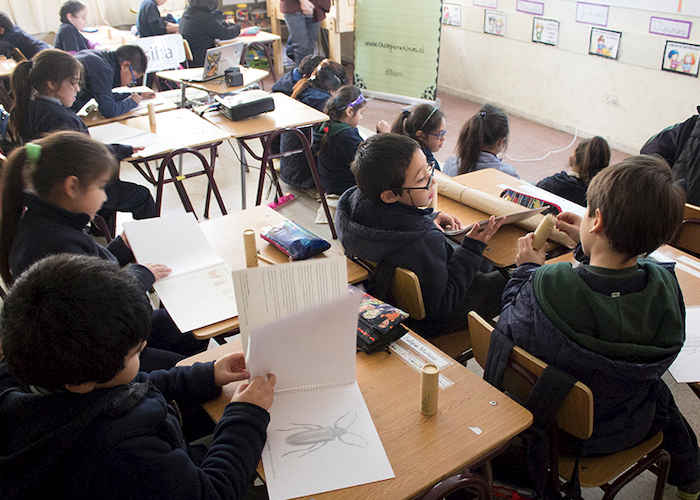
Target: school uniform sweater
(567,186)
(149,21)
(68,38)
(286,83)
(124,443)
(485,160)
(334,164)
(102,74)
(17,37)
(201,28)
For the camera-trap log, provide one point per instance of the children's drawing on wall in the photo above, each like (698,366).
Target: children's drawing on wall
(495,22)
(545,31)
(312,437)
(681,58)
(451,14)
(605,43)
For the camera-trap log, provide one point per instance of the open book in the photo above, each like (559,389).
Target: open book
(199,291)
(321,436)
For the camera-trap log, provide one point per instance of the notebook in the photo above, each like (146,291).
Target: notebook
(216,61)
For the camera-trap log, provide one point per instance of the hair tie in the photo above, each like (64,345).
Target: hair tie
(33,152)
(482,113)
(406,112)
(30,64)
(325,129)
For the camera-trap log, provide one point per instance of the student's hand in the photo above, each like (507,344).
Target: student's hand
(383,127)
(527,254)
(159,270)
(569,223)
(137,98)
(447,222)
(230,368)
(125,240)
(484,233)
(136,149)
(148,95)
(172,28)
(258,391)
(307,8)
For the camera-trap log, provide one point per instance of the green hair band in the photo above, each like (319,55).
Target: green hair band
(33,151)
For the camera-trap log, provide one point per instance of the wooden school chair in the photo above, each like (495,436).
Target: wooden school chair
(688,236)
(575,417)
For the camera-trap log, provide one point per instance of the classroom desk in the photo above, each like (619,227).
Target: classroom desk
(422,450)
(96,118)
(503,246)
(288,113)
(226,237)
(109,38)
(214,86)
(188,131)
(270,44)
(7,66)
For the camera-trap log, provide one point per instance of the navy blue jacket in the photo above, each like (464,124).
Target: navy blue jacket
(407,237)
(59,446)
(625,392)
(286,83)
(200,28)
(68,38)
(44,116)
(334,164)
(46,229)
(149,21)
(566,186)
(25,42)
(102,74)
(294,170)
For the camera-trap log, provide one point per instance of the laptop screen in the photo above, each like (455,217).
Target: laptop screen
(219,59)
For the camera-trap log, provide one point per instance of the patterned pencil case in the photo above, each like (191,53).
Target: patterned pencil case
(295,241)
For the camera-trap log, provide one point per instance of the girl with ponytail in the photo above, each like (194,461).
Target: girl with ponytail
(591,156)
(426,124)
(483,137)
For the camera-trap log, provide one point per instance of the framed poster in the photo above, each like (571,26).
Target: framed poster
(681,58)
(451,14)
(545,31)
(604,43)
(397,49)
(495,22)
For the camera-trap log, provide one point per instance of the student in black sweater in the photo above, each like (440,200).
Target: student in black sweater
(149,22)
(53,77)
(73,20)
(201,27)
(12,36)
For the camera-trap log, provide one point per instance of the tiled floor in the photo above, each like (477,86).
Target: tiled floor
(527,140)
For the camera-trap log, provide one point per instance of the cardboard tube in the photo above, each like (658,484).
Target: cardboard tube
(543,231)
(152,114)
(429,377)
(251,250)
(109,33)
(493,205)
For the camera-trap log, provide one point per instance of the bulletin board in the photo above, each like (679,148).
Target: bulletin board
(397,46)
(685,7)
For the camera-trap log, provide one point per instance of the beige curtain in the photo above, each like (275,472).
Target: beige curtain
(41,16)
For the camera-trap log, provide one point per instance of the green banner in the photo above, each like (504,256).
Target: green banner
(397,46)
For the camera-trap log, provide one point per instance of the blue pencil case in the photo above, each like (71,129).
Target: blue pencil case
(295,241)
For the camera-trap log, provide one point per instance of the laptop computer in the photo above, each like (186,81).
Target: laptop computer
(216,61)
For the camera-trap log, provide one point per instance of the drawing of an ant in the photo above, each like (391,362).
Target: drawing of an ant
(318,436)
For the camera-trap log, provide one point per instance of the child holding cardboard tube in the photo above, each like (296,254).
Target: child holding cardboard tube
(617,321)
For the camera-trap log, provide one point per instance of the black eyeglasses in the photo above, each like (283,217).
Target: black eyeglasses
(133,78)
(431,169)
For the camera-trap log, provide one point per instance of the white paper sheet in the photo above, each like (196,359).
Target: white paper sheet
(199,291)
(268,293)
(686,367)
(321,436)
(118,133)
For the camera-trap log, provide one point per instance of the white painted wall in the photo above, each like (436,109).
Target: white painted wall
(562,86)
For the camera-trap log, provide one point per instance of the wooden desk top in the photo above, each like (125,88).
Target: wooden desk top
(7,66)
(261,36)
(109,38)
(217,85)
(422,450)
(181,126)
(288,112)
(96,118)
(226,237)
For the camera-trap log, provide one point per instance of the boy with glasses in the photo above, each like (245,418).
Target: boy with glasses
(382,220)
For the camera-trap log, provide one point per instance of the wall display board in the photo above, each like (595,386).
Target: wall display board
(687,7)
(545,31)
(495,22)
(681,58)
(604,43)
(397,46)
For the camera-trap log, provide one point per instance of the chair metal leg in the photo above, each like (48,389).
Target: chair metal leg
(657,462)
(459,482)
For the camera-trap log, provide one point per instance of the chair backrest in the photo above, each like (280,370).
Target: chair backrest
(163,51)
(407,293)
(188,50)
(575,415)
(688,236)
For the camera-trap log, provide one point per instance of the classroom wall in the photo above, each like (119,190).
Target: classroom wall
(562,86)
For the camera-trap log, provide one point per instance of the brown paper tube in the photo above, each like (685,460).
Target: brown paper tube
(493,205)
(430,375)
(543,231)
(152,115)
(251,250)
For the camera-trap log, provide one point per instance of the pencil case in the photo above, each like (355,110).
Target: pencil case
(379,323)
(530,201)
(295,241)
